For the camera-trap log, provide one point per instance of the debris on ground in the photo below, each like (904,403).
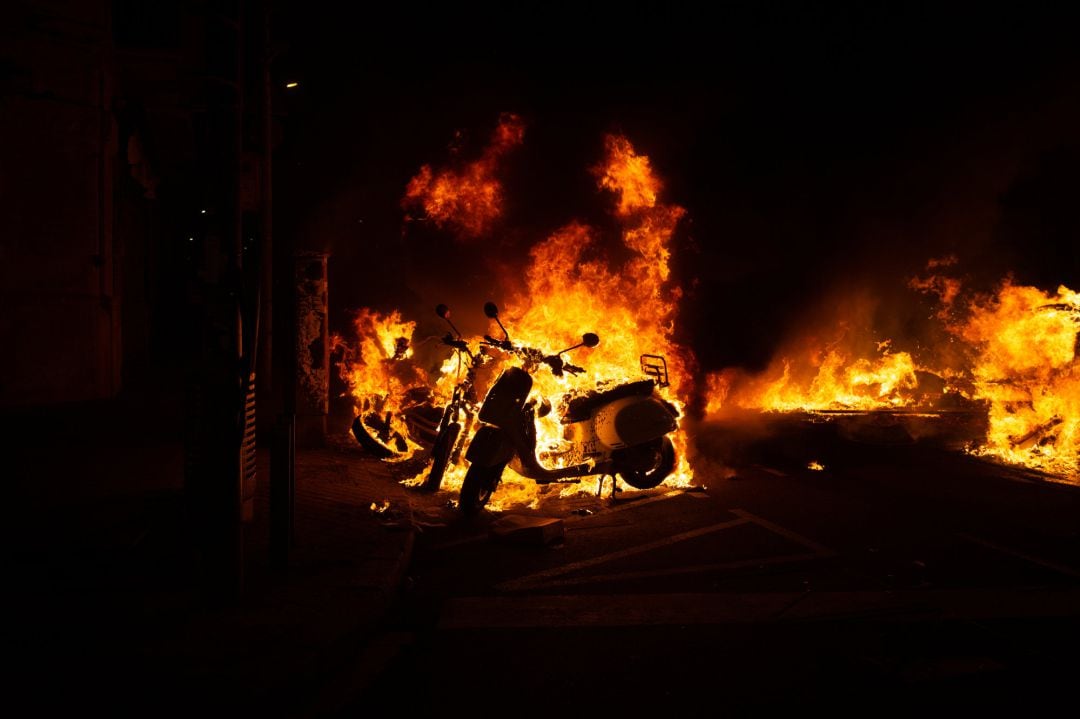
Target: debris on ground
(388,516)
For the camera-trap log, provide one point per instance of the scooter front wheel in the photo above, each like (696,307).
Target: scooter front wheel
(480,483)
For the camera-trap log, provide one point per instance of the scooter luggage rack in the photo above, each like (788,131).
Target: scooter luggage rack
(655,366)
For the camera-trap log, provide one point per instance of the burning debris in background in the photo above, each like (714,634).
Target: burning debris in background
(1023,344)
(1011,353)
(467,199)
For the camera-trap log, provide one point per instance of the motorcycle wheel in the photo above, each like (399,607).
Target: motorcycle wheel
(633,464)
(440,456)
(479,485)
(369,441)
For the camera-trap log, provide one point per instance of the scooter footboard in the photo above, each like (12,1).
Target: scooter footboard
(489,447)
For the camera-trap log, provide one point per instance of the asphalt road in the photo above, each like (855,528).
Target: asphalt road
(902,577)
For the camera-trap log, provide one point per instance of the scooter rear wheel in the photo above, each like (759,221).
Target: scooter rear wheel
(644,467)
(479,485)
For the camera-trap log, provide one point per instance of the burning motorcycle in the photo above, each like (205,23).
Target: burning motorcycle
(618,432)
(460,411)
(387,422)
(422,421)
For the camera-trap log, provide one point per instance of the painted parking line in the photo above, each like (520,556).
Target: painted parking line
(556,575)
(532,579)
(672,571)
(690,609)
(810,544)
(1030,558)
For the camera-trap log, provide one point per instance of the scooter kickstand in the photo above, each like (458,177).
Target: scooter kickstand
(614,486)
(600,486)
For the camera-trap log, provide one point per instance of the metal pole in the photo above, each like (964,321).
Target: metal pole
(214,471)
(266,251)
(280,325)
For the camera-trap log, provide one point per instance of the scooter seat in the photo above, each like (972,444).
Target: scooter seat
(580,408)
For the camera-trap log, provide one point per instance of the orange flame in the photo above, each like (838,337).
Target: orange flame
(1025,366)
(468,199)
(378,369)
(842,374)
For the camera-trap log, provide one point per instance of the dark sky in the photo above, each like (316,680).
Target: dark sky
(814,150)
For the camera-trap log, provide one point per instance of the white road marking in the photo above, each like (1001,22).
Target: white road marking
(672,571)
(1044,563)
(810,544)
(605,610)
(548,577)
(531,579)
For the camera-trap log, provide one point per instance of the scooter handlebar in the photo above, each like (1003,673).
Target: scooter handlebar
(531,354)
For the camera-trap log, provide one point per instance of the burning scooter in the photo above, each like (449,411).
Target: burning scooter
(619,431)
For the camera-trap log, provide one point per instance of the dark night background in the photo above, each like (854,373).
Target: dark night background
(819,152)
(816,151)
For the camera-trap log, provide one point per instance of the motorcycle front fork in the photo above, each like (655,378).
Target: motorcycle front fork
(466,431)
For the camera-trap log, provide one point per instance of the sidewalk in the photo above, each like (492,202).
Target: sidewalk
(281,643)
(107,615)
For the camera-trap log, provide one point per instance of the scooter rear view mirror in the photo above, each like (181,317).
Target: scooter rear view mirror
(491,310)
(590,339)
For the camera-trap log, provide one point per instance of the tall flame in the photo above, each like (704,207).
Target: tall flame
(571,288)
(571,285)
(467,199)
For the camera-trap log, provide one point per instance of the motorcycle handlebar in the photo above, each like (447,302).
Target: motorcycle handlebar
(456,343)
